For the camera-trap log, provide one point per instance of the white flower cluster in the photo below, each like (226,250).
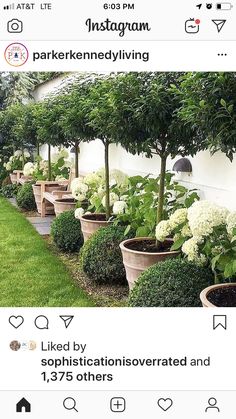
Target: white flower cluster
(79,189)
(119,207)
(93,179)
(17,157)
(178,217)
(29,169)
(163,230)
(79,212)
(203,216)
(62,154)
(113,199)
(231,223)
(117,177)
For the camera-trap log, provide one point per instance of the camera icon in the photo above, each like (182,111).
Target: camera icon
(15,26)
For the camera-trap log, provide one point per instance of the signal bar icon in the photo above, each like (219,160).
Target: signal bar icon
(9,7)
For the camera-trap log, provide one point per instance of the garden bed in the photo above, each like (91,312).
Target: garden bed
(103,295)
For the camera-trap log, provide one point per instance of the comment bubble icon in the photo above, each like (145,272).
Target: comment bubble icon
(42,322)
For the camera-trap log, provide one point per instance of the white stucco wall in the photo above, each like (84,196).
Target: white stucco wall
(214,176)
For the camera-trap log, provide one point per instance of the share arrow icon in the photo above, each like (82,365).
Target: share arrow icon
(219,24)
(67,320)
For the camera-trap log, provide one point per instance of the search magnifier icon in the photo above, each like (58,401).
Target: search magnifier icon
(70,404)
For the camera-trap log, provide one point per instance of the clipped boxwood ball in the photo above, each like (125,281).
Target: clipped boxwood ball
(66,232)
(9,190)
(172,283)
(25,197)
(101,256)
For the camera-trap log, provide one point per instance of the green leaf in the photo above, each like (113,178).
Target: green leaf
(223,103)
(178,244)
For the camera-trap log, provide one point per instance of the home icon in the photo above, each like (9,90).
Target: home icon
(23,406)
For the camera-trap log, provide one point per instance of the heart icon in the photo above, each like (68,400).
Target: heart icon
(16,321)
(165,404)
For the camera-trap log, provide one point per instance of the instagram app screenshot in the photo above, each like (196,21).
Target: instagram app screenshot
(117,209)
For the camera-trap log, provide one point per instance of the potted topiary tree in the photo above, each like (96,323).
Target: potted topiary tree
(209,102)
(146,121)
(93,110)
(48,132)
(13,131)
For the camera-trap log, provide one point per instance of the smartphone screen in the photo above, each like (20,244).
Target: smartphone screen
(117,209)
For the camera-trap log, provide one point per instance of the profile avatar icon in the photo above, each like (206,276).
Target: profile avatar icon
(212,402)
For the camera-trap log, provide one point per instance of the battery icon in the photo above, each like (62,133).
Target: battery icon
(224,6)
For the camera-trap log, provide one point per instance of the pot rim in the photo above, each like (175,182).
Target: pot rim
(126,249)
(204,293)
(94,221)
(65,201)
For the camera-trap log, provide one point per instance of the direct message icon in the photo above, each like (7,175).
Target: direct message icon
(67,320)
(165,404)
(219,321)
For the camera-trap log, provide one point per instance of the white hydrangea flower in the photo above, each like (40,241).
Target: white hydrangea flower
(8,166)
(79,189)
(118,177)
(11,159)
(163,230)
(231,223)
(60,177)
(113,199)
(28,169)
(18,153)
(203,216)
(190,249)
(43,165)
(92,179)
(26,154)
(186,232)
(119,207)
(79,212)
(178,217)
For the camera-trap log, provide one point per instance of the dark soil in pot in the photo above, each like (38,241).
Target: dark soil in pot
(95,217)
(149,246)
(223,297)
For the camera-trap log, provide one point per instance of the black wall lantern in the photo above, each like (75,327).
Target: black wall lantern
(183,165)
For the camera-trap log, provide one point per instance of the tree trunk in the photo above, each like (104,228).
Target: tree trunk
(161,190)
(76,158)
(38,154)
(49,163)
(107,180)
(23,157)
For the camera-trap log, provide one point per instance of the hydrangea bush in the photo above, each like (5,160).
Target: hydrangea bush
(206,233)
(61,166)
(16,161)
(90,192)
(138,204)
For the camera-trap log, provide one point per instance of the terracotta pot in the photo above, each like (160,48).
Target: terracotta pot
(38,198)
(137,262)
(13,177)
(89,224)
(63,205)
(205,293)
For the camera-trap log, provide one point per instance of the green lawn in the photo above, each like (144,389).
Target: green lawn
(30,275)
